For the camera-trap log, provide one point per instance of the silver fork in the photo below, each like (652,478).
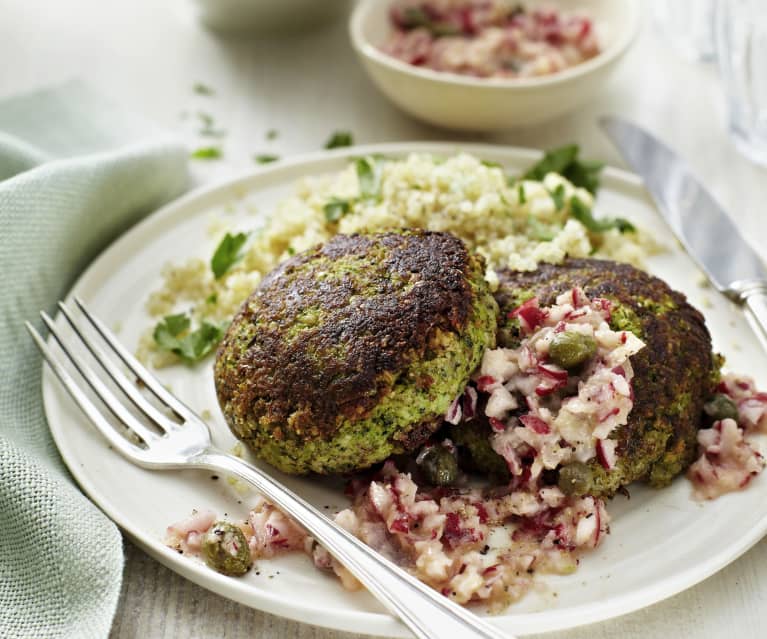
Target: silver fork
(183,441)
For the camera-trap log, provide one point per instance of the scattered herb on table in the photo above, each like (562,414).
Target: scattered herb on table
(265,158)
(228,253)
(336,208)
(339,139)
(272,134)
(207,153)
(173,334)
(583,214)
(203,89)
(565,161)
(209,126)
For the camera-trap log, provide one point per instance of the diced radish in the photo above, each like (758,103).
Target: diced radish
(530,315)
(486,383)
(553,372)
(606,453)
(454,413)
(604,306)
(469,403)
(535,424)
(497,425)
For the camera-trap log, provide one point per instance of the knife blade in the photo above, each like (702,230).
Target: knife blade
(710,236)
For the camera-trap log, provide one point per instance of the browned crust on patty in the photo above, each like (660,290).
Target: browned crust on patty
(381,302)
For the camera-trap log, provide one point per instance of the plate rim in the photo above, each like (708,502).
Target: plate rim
(377,622)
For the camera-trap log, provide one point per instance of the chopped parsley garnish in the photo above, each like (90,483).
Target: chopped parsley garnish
(565,161)
(558,195)
(336,208)
(203,89)
(521,194)
(211,299)
(173,334)
(272,134)
(339,139)
(583,214)
(291,250)
(369,176)
(228,253)
(490,164)
(265,158)
(207,153)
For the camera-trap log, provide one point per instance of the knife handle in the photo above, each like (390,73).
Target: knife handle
(755,300)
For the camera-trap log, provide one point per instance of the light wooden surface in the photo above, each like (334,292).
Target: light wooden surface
(147,55)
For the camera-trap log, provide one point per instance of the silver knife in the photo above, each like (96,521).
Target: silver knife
(697,219)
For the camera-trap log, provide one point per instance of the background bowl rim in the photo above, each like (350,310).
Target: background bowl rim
(368,50)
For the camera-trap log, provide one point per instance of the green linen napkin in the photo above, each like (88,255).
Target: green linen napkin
(75,171)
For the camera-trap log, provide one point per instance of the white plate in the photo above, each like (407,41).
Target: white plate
(661,543)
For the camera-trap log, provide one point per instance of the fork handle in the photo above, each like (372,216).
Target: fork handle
(429,615)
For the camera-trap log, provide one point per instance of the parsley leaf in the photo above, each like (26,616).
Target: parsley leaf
(554,161)
(207,153)
(336,208)
(369,177)
(166,332)
(558,195)
(585,174)
(173,334)
(521,194)
(228,253)
(564,160)
(583,214)
(265,158)
(339,139)
(203,89)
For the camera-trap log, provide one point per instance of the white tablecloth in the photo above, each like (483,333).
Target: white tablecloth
(147,55)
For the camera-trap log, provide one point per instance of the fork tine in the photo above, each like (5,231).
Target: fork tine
(129,388)
(119,442)
(113,403)
(149,380)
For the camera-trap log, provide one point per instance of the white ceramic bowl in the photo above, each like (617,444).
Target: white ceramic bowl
(486,104)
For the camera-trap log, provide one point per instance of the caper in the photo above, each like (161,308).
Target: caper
(438,465)
(721,407)
(569,350)
(575,479)
(226,549)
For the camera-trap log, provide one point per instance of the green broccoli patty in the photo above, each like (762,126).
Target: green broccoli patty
(673,374)
(353,351)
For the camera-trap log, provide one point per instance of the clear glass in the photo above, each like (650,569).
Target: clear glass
(741,36)
(688,25)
